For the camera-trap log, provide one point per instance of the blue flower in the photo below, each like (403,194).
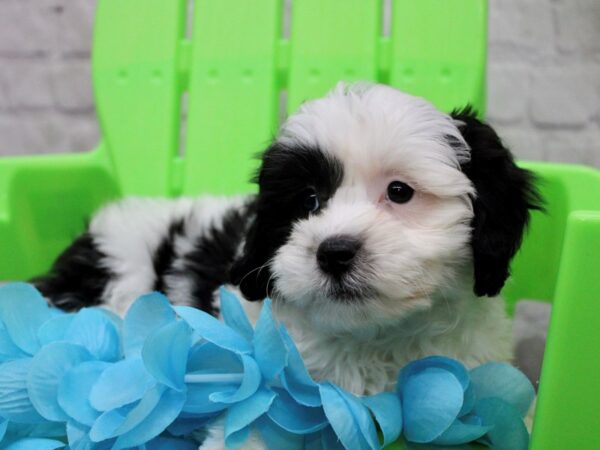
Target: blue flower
(445,404)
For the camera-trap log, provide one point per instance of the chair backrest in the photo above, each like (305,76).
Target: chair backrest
(230,66)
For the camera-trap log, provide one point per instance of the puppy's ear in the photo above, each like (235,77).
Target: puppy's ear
(505,194)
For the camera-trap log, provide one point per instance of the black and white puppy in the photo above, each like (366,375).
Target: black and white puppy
(378,223)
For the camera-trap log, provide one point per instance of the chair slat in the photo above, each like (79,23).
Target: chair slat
(233,93)
(137,87)
(439,51)
(331,41)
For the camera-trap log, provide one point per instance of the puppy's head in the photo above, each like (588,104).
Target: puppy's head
(372,201)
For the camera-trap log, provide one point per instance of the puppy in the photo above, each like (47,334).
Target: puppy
(378,224)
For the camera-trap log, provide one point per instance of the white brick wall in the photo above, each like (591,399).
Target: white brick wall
(543,77)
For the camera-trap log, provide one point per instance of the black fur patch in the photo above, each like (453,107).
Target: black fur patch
(165,254)
(77,278)
(286,174)
(209,263)
(505,196)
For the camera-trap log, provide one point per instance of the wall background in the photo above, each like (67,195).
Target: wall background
(543,78)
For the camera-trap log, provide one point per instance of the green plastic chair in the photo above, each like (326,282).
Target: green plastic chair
(233,66)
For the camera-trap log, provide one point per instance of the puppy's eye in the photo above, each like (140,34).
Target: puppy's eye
(399,192)
(311,201)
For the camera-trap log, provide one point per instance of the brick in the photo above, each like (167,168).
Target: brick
(31,133)
(578,26)
(524,143)
(74,25)
(83,132)
(508,89)
(27,83)
(521,25)
(25,28)
(581,147)
(563,97)
(72,86)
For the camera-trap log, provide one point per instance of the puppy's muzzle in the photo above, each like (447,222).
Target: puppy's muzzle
(336,255)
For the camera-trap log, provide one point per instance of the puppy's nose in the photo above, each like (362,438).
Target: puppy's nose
(335,254)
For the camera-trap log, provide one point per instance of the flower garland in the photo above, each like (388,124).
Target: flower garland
(157,378)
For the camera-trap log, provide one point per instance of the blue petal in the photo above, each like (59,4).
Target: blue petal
(462,431)
(35,444)
(441,362)
(330,441)
(296,418)
(14,397)
(241,415)
(209,358)
(132,378)
(162,443)
(92,329)
(198,398)
(348,418)
(23,310)
(147,314)
(295,378)
(269,348)
(277,438)
(234,315)
(107,424)
(74,391)
(431,401)
(54,329)
(46,371)
(387,409)
(250,383)
(154,423)
(165,353)
(77,436)
(3,427)
(509,431)
(183,426)
(8,349)
(503,381)
(213,330)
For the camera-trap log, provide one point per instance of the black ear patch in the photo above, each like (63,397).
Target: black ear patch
(505,196)
(285,175)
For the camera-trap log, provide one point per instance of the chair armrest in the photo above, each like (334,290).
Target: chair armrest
(569,395)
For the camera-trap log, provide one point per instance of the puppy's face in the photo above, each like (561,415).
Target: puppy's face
(365,210)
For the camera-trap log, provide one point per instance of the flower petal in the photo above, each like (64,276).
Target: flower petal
(234,315)
(74,391)
(92,329)
(15,404)
(35,444)
(387,409)
(3,427)
(8,349)
(165,353)
(509,431)
(241,415)
(505,382)
(269,348)
(160,417)
(54,329)
(106,425)
(213,330)
(132,378)
(295,418)
(250,383)
(431,401)
(462,431)
(46,371)
(23,310)
(441,362)
(198,399)
(162,443)
(277,438)
(295,378)
(147,314)
(349,419)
